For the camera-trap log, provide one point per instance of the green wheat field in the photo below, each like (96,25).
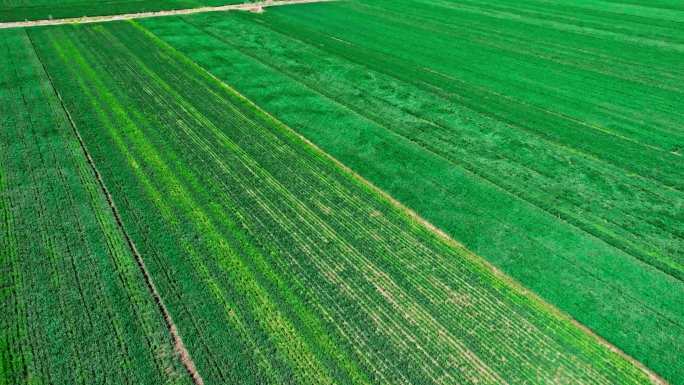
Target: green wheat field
(347,192)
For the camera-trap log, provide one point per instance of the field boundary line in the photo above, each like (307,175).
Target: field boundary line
(251,7)
(411,215)
(178,344)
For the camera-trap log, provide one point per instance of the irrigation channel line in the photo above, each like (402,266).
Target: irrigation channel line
(179,346)
(252,7)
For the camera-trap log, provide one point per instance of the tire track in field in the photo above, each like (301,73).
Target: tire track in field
(251,7)
(178,344)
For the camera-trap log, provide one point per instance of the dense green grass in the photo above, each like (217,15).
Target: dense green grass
(74,308)
(20,10)
(278,266)
(545,137)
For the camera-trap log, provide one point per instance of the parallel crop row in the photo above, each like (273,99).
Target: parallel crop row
(277,266)
(545,141)
(73,306)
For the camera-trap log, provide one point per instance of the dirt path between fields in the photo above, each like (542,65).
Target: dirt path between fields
(178,345)
(252,7)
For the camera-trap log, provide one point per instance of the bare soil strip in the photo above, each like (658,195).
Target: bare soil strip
(252,7)
(178,344)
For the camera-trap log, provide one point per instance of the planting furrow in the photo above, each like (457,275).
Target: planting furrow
(297,190)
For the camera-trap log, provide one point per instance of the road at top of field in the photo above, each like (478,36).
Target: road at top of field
(23,10)
(256,6)
(548,144)
(278,266)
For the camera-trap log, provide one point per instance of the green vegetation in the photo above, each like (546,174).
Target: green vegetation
(545,137)
(74,308)
(20,10)
(278,266)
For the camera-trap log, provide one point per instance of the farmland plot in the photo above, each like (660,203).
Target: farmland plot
(74,308)
(278,265)
(547,138)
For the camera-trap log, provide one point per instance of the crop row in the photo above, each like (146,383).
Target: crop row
(279,267)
